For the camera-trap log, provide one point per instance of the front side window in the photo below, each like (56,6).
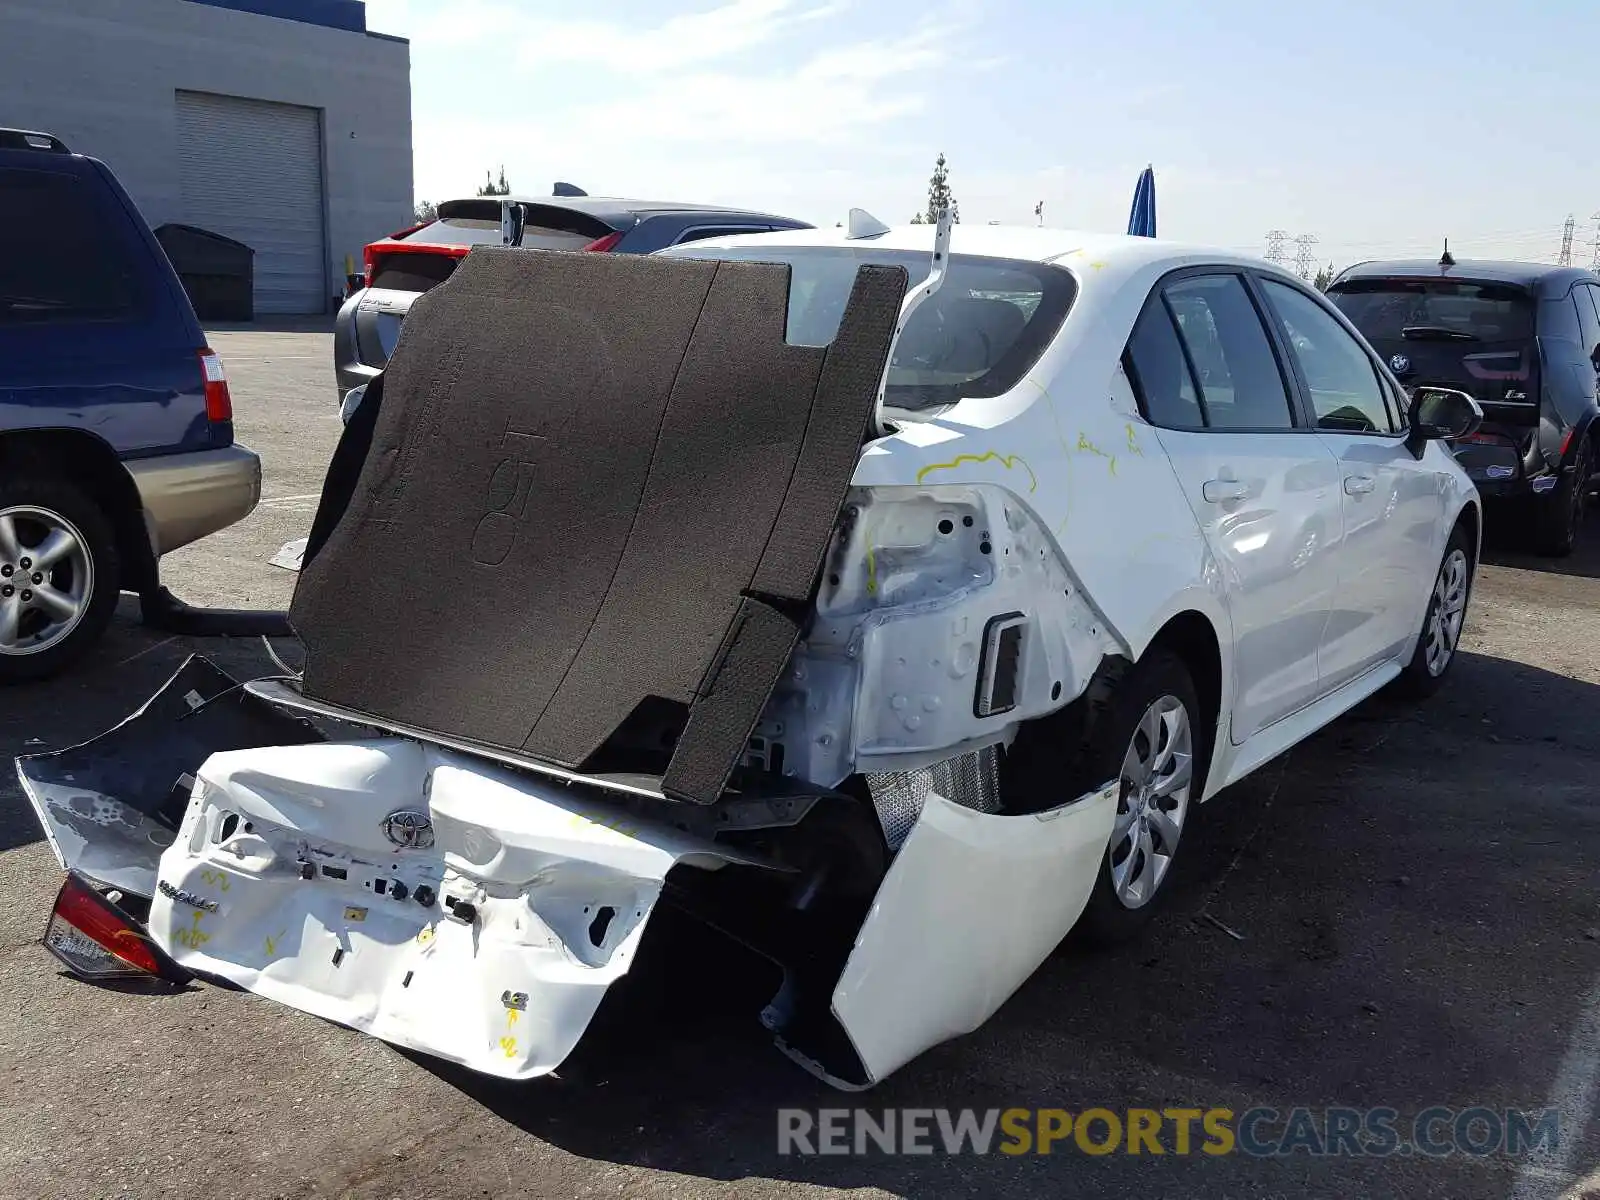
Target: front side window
(1241,386)
(60,255)
(975,337)
(1346,392)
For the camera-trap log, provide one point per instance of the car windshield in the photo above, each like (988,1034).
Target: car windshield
(1421,309)
(976,336)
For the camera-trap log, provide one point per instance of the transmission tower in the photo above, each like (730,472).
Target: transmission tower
(1565,257)
(1595,265)
(1275,251)
(1303,258)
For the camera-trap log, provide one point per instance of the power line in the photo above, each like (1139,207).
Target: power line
(1565,257)
(1303,257)
(1275,251)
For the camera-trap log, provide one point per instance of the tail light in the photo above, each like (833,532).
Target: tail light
(94,939)
(219,403)
(375,251)
(604,245)
(1566,441)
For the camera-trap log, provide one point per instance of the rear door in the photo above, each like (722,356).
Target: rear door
(1263,488)
(93,331)
(1393,509)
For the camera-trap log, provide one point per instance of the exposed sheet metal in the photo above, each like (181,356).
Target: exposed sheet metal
(111,805)
(492,946)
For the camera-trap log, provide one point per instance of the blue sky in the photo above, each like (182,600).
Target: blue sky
(1378,127)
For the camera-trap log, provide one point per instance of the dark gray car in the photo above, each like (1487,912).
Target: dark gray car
(401,267)
(1524,340)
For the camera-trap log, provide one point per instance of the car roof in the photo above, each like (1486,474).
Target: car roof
(617,211)
(1541,278)
(1119,253)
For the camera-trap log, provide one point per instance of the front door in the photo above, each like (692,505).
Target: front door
(1392,503)
(1264,490)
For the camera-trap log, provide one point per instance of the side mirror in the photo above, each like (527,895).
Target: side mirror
(1440,414)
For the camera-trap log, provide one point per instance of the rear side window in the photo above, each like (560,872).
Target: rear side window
(1588,321)
(1161,371)
(706,231)
(1241,386)
(976,336)
(63,252)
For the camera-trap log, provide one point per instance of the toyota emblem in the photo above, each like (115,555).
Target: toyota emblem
(1399,364)
(409,829)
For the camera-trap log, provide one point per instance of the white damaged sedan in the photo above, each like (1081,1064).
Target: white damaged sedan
(1126,520)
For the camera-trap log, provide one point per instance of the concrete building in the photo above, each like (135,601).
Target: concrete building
(283,124)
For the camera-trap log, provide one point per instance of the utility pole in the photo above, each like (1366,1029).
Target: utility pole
(1565,257)
(1303,257)
(1275,251)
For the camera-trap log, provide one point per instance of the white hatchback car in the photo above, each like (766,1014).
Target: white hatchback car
(1129,519)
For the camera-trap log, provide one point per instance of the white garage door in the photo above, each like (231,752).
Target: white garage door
(252,171)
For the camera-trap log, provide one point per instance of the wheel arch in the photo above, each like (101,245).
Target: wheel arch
(91,463)
(1193,638)
(1470,518)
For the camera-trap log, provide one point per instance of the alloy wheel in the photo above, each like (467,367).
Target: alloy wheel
(1446,612)
(1157,774)
(46,579)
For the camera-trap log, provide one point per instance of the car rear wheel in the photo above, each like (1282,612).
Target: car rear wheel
(59,575)
(1442,623)
(1561,510)
(1151,740)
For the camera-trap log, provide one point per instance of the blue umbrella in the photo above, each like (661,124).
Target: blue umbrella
(1142,219)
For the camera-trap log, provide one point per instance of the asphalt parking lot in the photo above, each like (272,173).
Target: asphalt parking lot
(1400,913)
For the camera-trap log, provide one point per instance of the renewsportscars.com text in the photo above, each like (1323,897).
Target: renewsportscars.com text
(1436,1131)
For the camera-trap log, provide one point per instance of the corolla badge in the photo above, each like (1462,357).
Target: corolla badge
(1399,364)
(409,829)
(183,897)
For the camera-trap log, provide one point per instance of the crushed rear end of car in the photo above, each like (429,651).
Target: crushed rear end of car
(671,654)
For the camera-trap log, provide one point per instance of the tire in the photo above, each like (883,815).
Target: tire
(1131,886)
(1559,513)
(83,576)
(1452,590)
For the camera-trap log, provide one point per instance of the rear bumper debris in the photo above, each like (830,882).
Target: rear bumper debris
(479,913)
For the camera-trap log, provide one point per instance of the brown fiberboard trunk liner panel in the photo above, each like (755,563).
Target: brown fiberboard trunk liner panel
(592,480)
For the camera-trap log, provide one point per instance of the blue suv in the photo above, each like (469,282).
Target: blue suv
(116,426)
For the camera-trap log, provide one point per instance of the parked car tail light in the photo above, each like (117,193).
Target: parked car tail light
(219,402)
(374,253)
(605,244)
(94,939)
